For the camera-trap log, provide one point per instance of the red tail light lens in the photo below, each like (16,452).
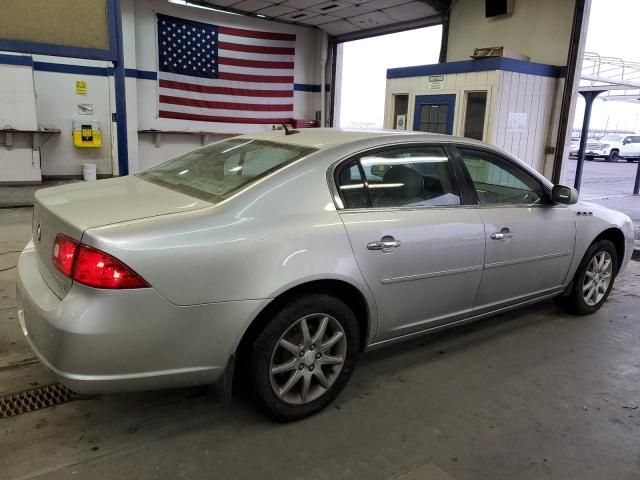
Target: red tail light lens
(64,250)
(93,267)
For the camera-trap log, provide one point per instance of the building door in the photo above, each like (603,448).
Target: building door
(434,113)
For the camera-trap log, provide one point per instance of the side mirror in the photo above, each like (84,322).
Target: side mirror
(562,194)
(626,141)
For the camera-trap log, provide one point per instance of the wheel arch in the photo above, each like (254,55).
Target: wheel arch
(615,236)
(341,289)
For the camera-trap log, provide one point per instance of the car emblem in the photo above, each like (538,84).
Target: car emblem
(38,233)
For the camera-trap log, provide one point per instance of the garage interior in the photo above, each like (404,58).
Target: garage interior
(535,393)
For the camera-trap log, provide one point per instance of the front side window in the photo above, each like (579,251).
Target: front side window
(216,172)
(498,181)
(399,177)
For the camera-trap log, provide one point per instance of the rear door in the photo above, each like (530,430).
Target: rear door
(529,242)
(418,249)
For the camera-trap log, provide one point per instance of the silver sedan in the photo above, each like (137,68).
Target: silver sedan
(283,255)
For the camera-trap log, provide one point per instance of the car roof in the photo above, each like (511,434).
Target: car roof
(329,137)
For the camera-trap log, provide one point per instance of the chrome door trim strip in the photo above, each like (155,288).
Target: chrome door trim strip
(420,276)
(526,260)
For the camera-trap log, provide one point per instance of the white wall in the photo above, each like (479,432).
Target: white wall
(540,29)
(19,163)
(531,96)
(57,103)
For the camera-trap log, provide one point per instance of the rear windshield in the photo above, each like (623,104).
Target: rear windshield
(216,172)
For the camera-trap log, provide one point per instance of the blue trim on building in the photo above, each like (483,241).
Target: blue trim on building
(109,71)
(111,53)
(119,81)
(73,69)
(306,87)
(143,74)
(16,60)
(481,65)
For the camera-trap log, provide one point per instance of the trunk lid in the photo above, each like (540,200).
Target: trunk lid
(72,209)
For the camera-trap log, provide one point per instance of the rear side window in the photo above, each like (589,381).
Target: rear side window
(399,177)
(216,172)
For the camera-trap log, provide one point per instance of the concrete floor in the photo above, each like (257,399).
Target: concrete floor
(534,394)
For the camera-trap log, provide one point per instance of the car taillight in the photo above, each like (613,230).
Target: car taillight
(93,267)
(64,250)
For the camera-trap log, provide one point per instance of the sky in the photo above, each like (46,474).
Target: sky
(613,31)
(364,70)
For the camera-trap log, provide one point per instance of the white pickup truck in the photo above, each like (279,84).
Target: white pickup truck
(613,147)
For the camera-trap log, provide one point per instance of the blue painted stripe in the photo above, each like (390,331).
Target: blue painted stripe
(108,71)
(16,60)
(482,65)
(74,69)
(306,87)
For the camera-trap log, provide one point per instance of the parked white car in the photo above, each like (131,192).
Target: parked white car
(612,147)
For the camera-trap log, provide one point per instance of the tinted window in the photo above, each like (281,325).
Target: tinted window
(416,176)
(351,186)
(499,181)
(215,172)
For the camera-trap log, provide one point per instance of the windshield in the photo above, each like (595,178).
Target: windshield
(611,138)
(215,172)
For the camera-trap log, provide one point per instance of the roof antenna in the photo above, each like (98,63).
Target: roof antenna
(287,131)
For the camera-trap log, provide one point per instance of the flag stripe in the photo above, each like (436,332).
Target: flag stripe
(238,47)
(209,89)
(250,107)
(255,41)
(255,63)
(254,34)
(255,78)
(254,56)
(220,112)
(216,118)
(232,97)
(215,82)
(254,71)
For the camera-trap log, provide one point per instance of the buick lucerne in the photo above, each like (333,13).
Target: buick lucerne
(283,255)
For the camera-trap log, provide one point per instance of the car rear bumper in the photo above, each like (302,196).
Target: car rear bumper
(102,341)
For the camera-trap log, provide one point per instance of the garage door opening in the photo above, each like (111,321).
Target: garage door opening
(361,69)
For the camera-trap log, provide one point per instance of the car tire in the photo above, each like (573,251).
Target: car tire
(308,380)
(613,156)
(598,266)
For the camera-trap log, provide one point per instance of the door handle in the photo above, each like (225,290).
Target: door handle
(385,243)
(504,234)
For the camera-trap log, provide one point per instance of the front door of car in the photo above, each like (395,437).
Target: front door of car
(419,251)
(529,242)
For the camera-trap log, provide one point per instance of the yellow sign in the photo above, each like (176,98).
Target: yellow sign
(81,87)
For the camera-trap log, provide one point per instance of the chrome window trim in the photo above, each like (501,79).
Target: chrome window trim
(335,193)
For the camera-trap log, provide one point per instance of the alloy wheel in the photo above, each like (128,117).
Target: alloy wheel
(597,278)
(308,359)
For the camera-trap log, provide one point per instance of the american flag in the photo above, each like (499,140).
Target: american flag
(221,74)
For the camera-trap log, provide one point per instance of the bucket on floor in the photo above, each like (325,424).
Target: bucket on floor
(89,171)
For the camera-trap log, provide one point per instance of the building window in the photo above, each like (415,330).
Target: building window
(474,115)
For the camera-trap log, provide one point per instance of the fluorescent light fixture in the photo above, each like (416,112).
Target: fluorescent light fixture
(187,3)
(260,15)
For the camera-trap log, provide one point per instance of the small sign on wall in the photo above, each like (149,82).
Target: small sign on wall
(401,122)
(517,122)
(81,87)
(436,82)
